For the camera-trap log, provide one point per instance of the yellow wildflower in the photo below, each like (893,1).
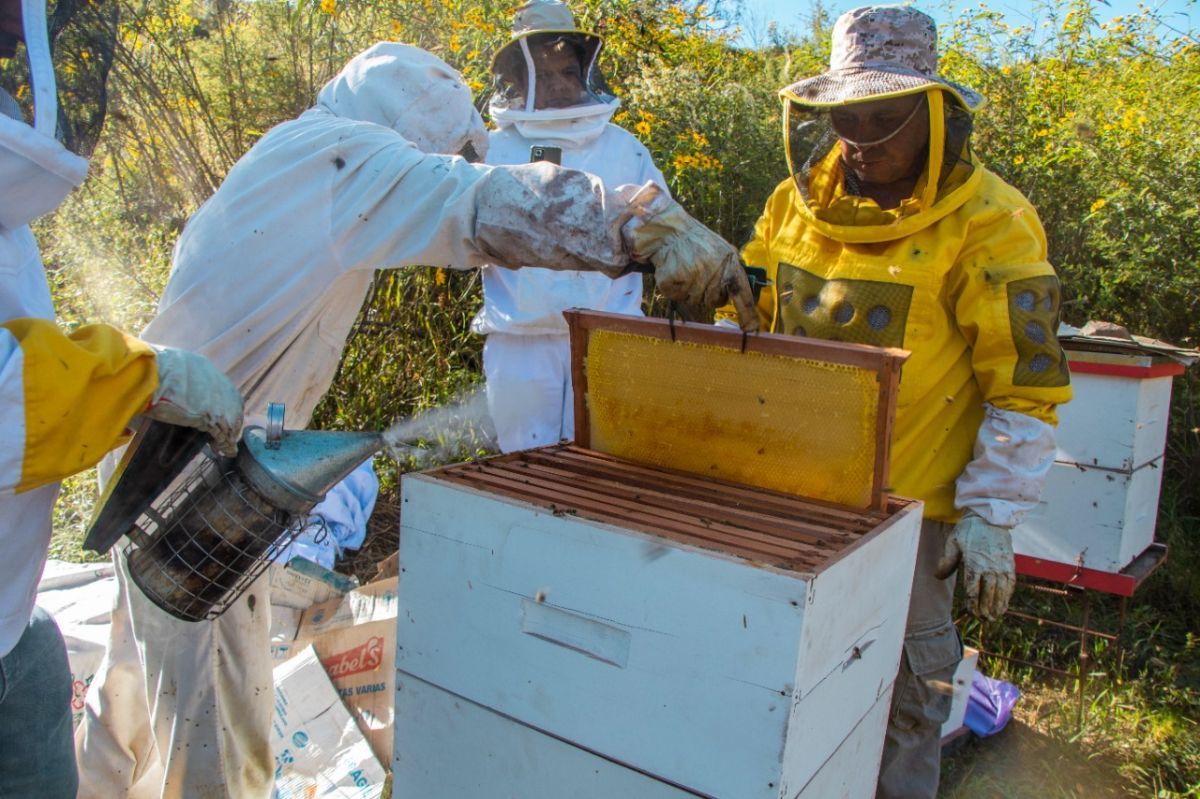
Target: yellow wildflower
(643,128)
(1100,203)
(455,42)
(1006,70)
(329,7)
(439,277)
(1018,160)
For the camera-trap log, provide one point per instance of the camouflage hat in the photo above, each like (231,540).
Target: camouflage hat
(879,51)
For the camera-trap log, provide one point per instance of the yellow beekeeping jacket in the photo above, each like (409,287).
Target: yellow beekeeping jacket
(964,285)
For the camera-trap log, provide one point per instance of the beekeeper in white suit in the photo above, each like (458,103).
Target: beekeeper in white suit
(65,400)
(268,277)
(550,100)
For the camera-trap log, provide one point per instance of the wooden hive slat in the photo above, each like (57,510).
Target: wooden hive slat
(787,532)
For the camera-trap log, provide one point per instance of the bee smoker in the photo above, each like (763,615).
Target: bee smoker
(201,528)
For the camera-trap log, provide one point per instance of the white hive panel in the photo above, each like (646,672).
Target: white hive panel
(720,673)
(451,748)
(1118,422)
(1096,518)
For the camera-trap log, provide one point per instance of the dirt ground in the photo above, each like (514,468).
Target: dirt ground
(383,539)
(1019,762)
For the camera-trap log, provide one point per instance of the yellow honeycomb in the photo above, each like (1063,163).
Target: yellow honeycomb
(801,427)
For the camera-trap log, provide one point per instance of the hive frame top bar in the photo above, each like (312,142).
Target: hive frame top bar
(777,530)
(884,362)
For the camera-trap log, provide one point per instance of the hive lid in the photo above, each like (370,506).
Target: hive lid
(800,416)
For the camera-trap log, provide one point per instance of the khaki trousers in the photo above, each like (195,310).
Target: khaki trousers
(180,710)
(912,749)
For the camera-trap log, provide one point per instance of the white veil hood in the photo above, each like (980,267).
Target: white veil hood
(411,91)
(36,172)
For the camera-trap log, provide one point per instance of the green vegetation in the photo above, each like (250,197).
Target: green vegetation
(1095,123)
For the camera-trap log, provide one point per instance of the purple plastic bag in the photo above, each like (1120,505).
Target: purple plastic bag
(989,707)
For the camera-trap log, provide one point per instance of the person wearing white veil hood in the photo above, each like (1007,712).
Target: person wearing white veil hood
(267,279)
(65,400)
(550,96)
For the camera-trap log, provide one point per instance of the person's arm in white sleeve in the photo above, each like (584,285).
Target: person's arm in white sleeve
(404,208)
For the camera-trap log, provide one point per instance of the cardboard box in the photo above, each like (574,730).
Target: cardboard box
(301,584)
(355,639)
(963,677)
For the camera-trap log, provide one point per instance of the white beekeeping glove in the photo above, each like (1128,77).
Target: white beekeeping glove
(988,570)
(1013,454)
(193,393)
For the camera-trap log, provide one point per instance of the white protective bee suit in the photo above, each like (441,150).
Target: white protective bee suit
(267,280)
(65,400)
(527,355)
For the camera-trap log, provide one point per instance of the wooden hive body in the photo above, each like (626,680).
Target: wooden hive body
(1100,505)
(575,623)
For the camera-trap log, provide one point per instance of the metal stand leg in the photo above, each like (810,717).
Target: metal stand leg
(1121,640)
(1084,657)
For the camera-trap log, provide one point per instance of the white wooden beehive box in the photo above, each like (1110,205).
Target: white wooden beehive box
(494,757)
(1100,505)
(581,623)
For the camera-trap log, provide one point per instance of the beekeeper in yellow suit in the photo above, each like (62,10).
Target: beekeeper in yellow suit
(890,232)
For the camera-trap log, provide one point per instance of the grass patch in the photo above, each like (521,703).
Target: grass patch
(72,515)
(1139,736)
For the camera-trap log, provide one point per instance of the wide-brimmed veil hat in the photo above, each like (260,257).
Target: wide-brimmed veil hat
(880,52)
(545,16)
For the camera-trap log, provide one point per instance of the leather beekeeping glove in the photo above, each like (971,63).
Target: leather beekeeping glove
(193,393)
(692,264)
(1012,455)
(985,554)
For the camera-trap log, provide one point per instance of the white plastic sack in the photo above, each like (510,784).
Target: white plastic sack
(80,597)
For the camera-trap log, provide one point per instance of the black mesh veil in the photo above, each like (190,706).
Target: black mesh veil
(515,74)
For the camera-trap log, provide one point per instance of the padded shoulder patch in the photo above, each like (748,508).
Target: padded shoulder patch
(1033,306)
(856,311)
